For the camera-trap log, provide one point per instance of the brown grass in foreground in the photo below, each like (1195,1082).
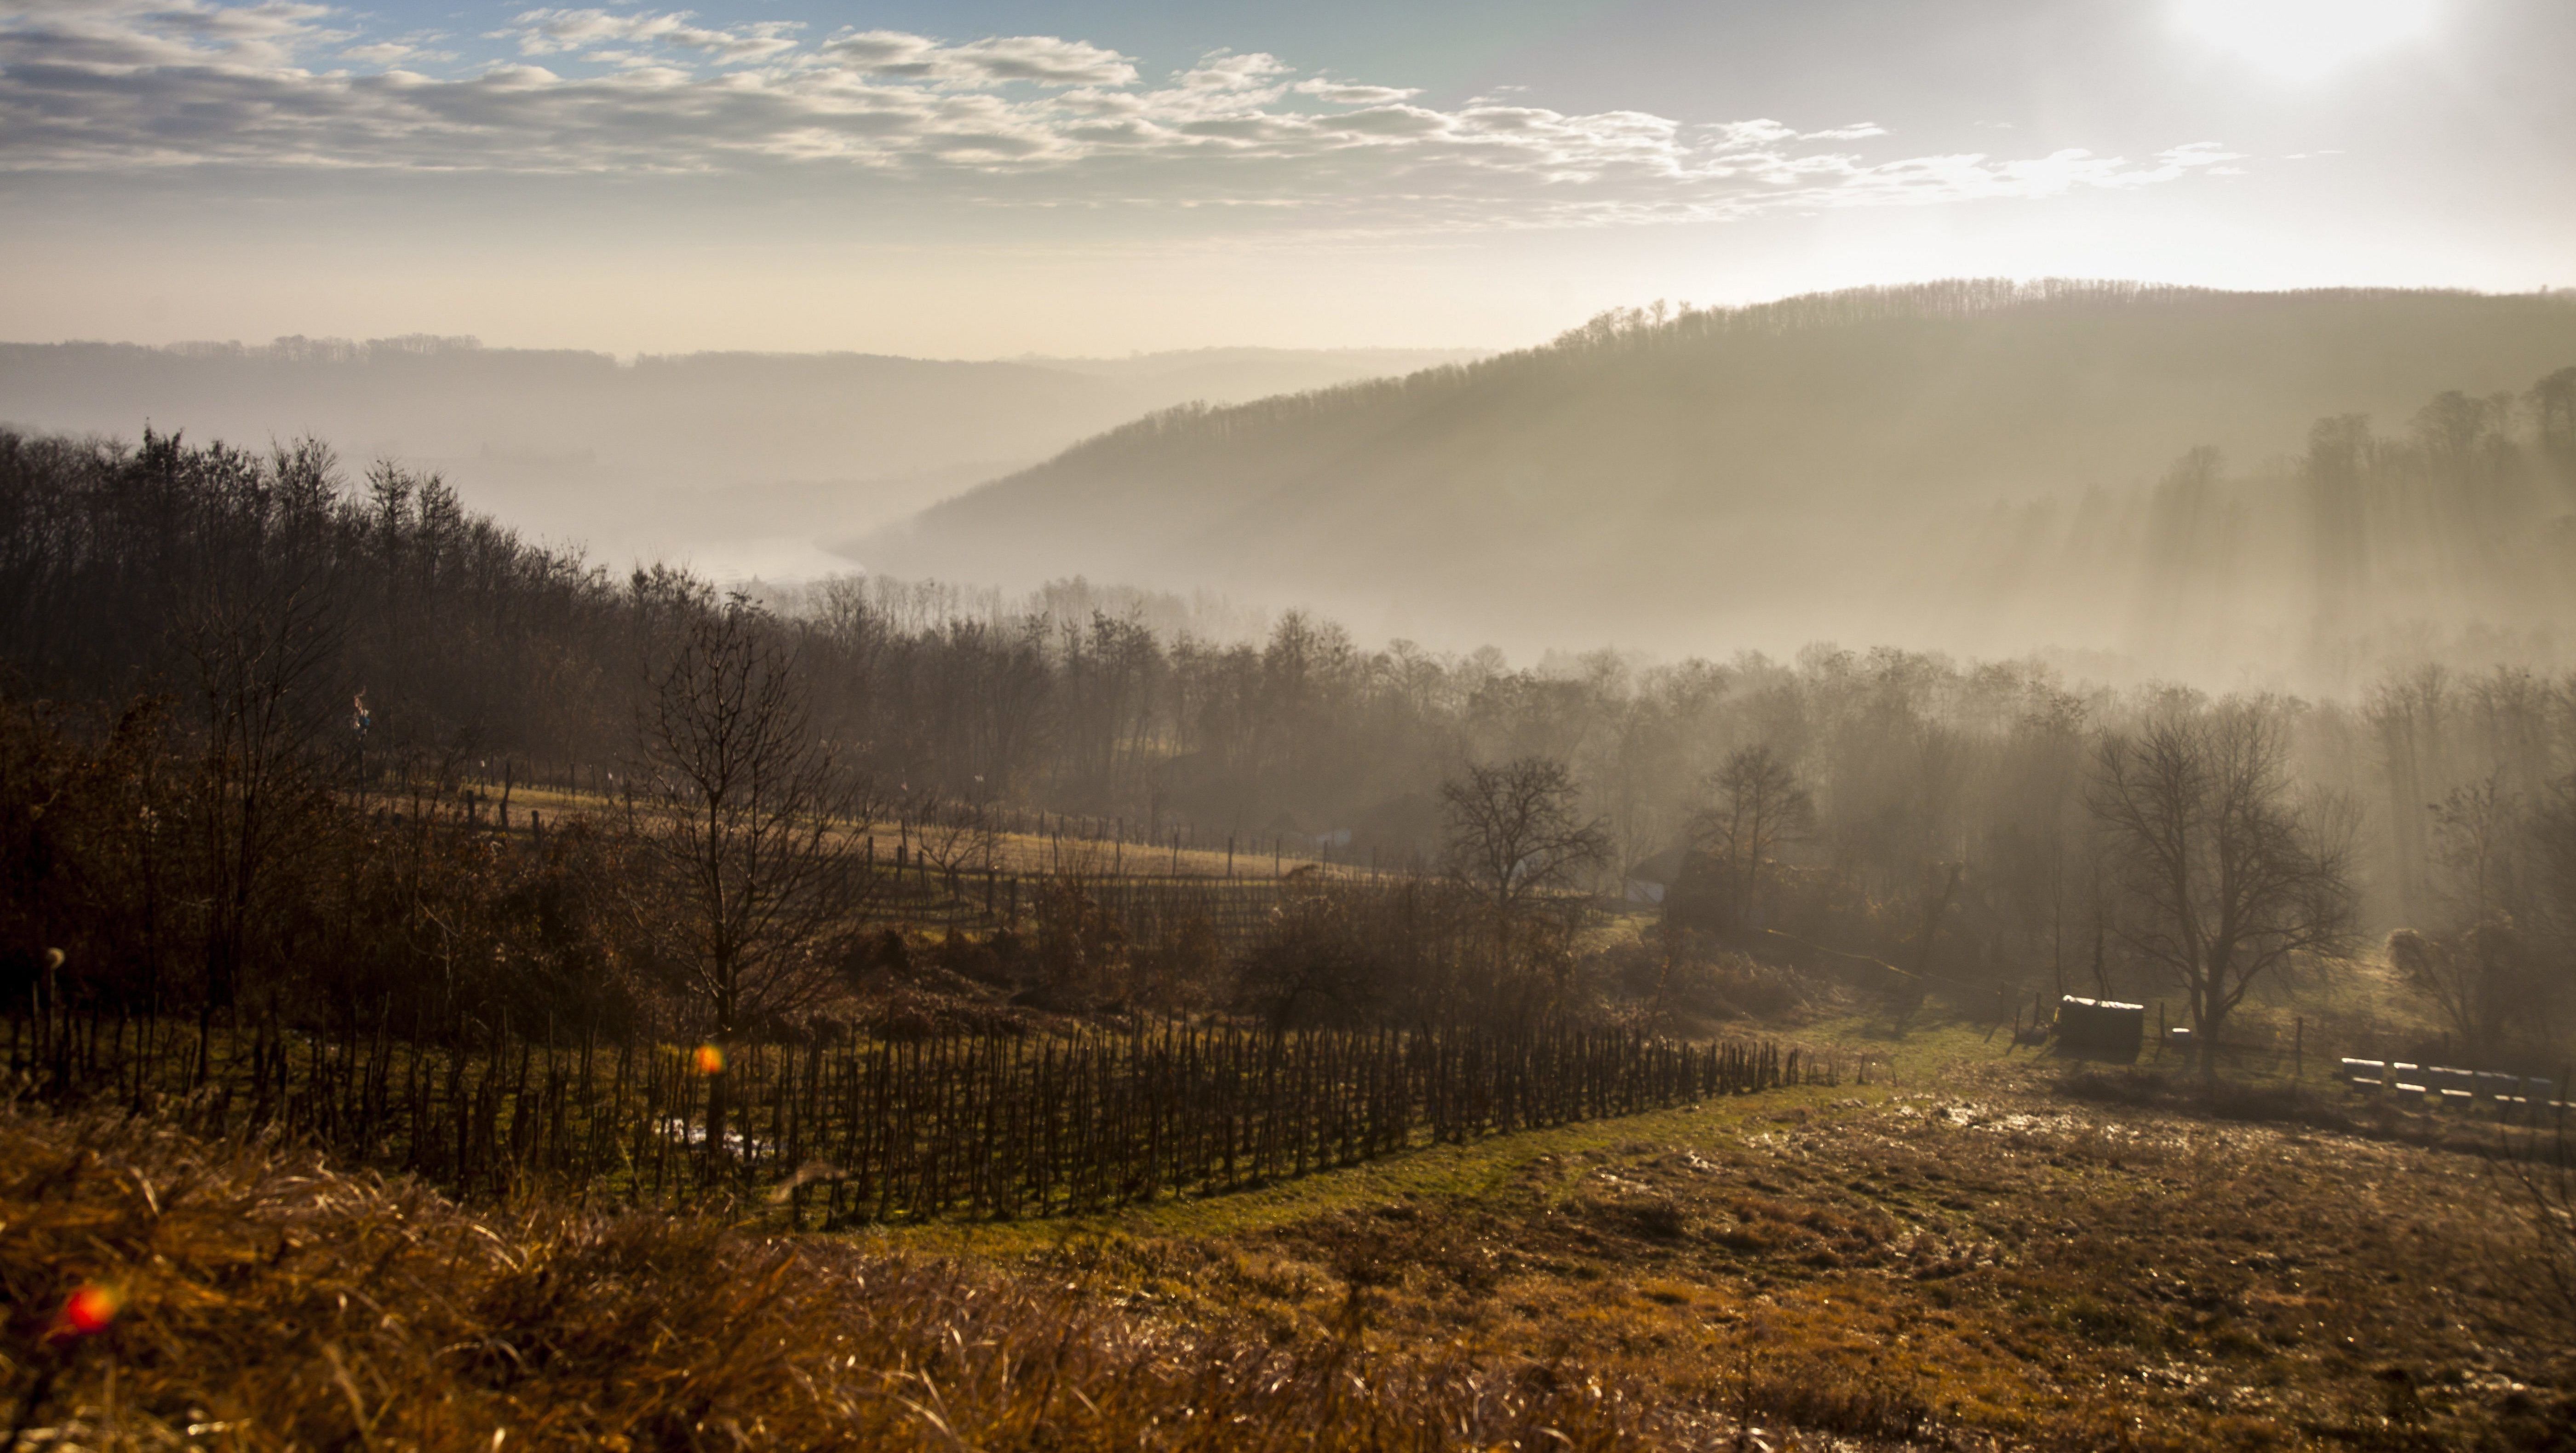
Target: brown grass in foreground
(268,1302)
(1997,1266)
(2000,1265)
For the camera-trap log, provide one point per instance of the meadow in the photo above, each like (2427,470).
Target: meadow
(1985,1247)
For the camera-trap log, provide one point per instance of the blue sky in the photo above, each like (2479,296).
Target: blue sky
(981,179)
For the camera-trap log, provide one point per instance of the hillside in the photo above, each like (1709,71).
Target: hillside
(738,461)
(1760,476)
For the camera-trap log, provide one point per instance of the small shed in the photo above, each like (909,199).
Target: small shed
(2101,1028)
(1650,880)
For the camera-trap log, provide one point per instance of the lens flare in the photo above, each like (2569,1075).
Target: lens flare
(709,1059)
(87,1311)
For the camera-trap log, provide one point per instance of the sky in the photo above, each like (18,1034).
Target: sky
(981,179)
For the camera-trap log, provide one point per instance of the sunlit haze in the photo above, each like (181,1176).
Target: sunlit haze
(990,179)
(2305,39)
(1616,726)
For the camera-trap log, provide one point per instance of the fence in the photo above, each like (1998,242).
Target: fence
(981,1125)
(2459,1089)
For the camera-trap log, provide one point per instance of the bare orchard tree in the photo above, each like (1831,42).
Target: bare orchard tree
(1756,804)
(1518,841)
(749,828)
(954,838)
(2477,967)
(263,634)
(2552,888)
(2227,878)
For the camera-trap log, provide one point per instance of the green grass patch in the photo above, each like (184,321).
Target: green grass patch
(1443,1171)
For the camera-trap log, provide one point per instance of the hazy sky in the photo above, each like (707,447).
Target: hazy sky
(976,178)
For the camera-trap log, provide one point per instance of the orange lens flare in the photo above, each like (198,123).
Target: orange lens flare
(709,1059)
(87,1311)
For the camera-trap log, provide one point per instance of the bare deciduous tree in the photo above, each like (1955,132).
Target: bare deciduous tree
(954,838)
(1757,804)
(262,637)
(2228,878)
(1515,833)
(1518,841)
(2477,969)
(2475,979)
(749,827)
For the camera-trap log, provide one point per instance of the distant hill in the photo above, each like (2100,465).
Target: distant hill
(735,457)
(1822,466)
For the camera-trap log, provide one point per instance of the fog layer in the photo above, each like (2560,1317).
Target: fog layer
(739,462)
(2136,476)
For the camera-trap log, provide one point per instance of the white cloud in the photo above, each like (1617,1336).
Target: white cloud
(1041,59)
(1857,131)
(553,32)
(123,85)
(1344,93)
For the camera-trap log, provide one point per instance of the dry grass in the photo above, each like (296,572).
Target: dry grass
(1999,1268)
(268,1302)
(1981,1262)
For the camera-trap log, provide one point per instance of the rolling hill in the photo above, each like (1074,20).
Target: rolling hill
(736,461)
(1969,465)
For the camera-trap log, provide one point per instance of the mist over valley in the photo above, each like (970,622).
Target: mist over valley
(2199,485)
(743,464)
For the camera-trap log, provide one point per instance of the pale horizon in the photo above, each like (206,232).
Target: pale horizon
(984,181)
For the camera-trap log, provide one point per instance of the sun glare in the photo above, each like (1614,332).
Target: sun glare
(2304,39)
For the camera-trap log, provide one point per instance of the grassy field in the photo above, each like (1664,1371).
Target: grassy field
(1998,1250)
(1089,848)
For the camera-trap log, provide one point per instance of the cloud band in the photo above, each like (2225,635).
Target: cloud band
(103,86)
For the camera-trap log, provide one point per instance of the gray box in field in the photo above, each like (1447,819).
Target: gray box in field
(2101,1028)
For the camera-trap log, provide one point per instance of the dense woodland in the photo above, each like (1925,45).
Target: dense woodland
(262,706)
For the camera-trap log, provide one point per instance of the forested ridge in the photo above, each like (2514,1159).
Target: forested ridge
(1920,464)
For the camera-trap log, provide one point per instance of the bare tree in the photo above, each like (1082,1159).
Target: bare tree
(2476,979)
(1517,841)
(262,638)
(1514,832)
(2551,890)
(2228,878)
(952,837)
(2477,969)
(1757,804)
(750,828)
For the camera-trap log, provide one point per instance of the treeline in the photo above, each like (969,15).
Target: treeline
(258,707)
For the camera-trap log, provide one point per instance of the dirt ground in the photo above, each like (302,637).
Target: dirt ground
(2018,1255)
